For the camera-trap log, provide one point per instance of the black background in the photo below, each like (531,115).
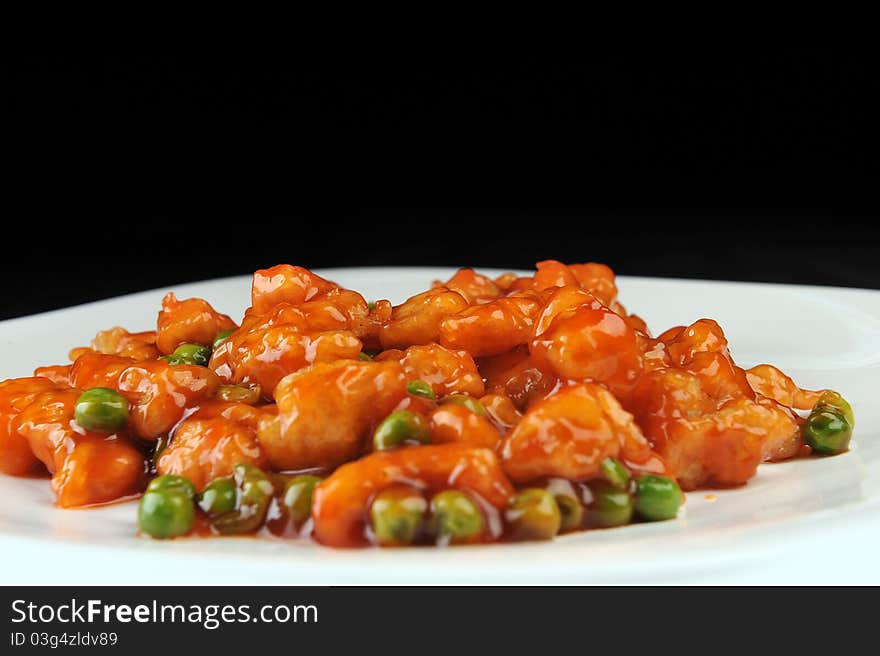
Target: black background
(133,173)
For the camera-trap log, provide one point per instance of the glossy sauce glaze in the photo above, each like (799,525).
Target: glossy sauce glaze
(479,410)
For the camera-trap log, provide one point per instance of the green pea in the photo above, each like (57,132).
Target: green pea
(533,514)
(420,388)
(401,427)
(298,497)
(827,432)
(834,402)
(568,497)
(365,357)
(371,305)
(611,506)
(468,402)
(244,393)
(219,496)
(172,482)
(172,359)
(254,495)
(101,409)
(221,337)
(166,513)
(615,473)
(192,354)
(397,516)
(657,497)
(455,517)
(571,512)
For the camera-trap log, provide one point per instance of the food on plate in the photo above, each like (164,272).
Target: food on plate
(481,410)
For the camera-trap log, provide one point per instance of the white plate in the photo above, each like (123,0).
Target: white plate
(813,520)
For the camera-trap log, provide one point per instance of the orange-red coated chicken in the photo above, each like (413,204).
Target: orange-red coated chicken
(160,393)
(455,423)
(418,319)
(118,341)
(472,286)
(326,412)
(286,284)
(589,343)
(597,279)
(86,467)
(192,321)
(210,442)
(16,394)
(570,433)
(768,381)
(57,373)
(98,370)
(501,411)
(446,371)
(267,355)
(517,376)
(705,441)
(340,502)
(493,328)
